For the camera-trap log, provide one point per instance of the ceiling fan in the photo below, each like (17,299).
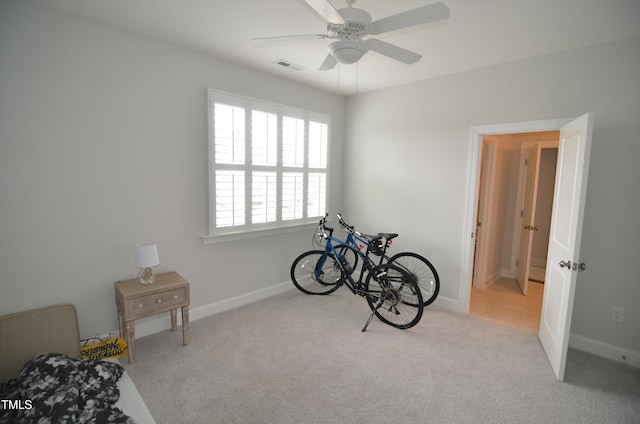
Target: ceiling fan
(350,25)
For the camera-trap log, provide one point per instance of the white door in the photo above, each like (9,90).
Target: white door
(527,223)
(483,226)
(564,240)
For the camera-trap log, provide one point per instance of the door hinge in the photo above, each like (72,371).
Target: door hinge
(516,262)
(521,213)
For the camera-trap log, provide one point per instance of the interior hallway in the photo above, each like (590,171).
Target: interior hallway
(503,303)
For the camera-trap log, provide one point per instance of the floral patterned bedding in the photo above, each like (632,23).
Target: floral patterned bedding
(54,388)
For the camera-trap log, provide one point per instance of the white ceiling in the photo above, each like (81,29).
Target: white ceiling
(479,33)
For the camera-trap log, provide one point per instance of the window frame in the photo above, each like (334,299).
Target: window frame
(249,229)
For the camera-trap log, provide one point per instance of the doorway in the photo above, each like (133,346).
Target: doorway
(566,227)
(477,135)
(516,185)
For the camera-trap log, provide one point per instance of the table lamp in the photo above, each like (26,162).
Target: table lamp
(146,257)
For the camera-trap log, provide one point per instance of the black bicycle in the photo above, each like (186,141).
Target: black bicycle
(418,266)
(390,290)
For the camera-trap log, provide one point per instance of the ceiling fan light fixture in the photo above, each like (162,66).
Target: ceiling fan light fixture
(348,52)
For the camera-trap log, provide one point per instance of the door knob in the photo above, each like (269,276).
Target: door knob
(527,227)
(567,264)
(535,228)
(582,266)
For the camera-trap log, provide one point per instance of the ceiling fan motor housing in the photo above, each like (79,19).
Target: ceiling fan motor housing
(350,48)
(356,22)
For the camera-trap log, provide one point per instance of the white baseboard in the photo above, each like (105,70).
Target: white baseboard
(152,325)
(605,350)
(495,277)
(508,272)
(449,304)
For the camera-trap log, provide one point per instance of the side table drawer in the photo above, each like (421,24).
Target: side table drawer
(154,303)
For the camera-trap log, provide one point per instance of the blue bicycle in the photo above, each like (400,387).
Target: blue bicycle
(418,266)
(390,291)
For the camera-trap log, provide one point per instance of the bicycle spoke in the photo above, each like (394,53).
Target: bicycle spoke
(422,271)
(314,272)
(397,293)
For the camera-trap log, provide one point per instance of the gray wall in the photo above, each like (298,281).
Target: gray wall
(408,151)
(103,144)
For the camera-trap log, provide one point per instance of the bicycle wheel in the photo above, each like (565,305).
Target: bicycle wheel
(394,296)
(314,272)
(422,271)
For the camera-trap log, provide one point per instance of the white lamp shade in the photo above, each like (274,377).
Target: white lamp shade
(147,255)
(348,52)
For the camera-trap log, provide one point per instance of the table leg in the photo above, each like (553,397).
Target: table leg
(174,320)
(185,325)
(131,348)
(121,326)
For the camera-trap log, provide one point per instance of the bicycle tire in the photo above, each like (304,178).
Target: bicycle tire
(422,271)
(394,296)
(313,275)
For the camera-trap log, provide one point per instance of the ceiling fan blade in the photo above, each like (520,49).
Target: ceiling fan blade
(329,63)
(393,51)
(326,10)
(421,15)
(292,37)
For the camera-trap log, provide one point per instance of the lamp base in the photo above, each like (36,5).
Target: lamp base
(146,276)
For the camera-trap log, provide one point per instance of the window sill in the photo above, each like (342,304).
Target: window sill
(223,238)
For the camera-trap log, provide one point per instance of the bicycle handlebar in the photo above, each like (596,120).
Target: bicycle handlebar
(324,228)
(349,228)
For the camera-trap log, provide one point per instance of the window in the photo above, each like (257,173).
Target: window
(268,165)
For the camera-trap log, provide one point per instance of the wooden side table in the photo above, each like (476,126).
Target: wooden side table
(136,300)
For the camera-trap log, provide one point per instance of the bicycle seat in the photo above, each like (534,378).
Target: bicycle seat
(388,236)
(375,243)
(370,238)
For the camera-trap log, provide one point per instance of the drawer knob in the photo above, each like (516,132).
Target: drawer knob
(140,305)
(175,296)
(159,301)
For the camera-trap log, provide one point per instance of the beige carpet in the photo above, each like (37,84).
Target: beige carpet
(297,359)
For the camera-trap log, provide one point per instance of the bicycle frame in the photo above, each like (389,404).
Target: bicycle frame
(332,245)
(354,239)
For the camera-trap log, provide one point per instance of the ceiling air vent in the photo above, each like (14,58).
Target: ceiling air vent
(287,64)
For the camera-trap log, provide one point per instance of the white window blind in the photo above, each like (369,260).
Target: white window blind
(229,134)
(229,198)
(264,197)
(292,195)
(264,136)
(292,142)
(268,165)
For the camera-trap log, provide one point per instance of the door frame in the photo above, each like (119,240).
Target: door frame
(472,192)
